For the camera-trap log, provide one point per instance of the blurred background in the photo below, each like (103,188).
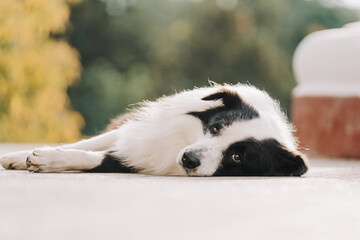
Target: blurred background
(68,66)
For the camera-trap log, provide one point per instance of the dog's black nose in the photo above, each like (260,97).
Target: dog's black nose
(190,160)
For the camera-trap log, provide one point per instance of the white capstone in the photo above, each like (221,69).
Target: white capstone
(327,63)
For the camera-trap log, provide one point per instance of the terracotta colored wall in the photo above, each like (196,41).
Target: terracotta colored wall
(328,126)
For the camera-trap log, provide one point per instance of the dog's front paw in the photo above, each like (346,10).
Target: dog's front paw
(15,160)
(45,160)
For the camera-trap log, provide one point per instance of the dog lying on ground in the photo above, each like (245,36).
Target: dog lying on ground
(222,130)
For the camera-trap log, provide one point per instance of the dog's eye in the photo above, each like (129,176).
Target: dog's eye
(236,157)
(215,129)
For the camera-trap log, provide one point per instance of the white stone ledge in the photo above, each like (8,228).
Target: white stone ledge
(323,89)
(327,63)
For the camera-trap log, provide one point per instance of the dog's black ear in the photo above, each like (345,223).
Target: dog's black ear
(232,102)
(273,159)
(230,99)
(287,163)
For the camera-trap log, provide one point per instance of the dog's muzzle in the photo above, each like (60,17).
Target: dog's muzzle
(190,160)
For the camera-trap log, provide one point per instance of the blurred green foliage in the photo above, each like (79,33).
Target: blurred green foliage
(135,50)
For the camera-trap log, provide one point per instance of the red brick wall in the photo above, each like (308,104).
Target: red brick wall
(328,126)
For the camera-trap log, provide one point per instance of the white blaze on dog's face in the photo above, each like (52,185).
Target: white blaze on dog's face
(238,141)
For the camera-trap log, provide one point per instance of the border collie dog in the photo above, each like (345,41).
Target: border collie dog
(221,130)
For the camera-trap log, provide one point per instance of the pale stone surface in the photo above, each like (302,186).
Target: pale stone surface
(324,204)
(326,63)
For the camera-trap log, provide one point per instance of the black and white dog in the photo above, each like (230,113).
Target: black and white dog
(221,130)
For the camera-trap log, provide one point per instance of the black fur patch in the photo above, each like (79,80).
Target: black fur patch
(112,164)
(260,158)
(233,109)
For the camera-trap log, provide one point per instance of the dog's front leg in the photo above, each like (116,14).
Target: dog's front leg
(16,160)
(60,159)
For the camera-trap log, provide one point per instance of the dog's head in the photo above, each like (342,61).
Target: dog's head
(238,140)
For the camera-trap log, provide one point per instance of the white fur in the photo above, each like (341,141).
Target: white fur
(15,160)
(61,159)
(155,141)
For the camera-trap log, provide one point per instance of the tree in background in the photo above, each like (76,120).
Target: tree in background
(135,50)
(35,72)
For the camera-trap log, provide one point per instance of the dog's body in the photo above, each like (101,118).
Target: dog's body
(221,130)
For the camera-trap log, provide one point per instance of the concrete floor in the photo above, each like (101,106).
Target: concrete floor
(323,204)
